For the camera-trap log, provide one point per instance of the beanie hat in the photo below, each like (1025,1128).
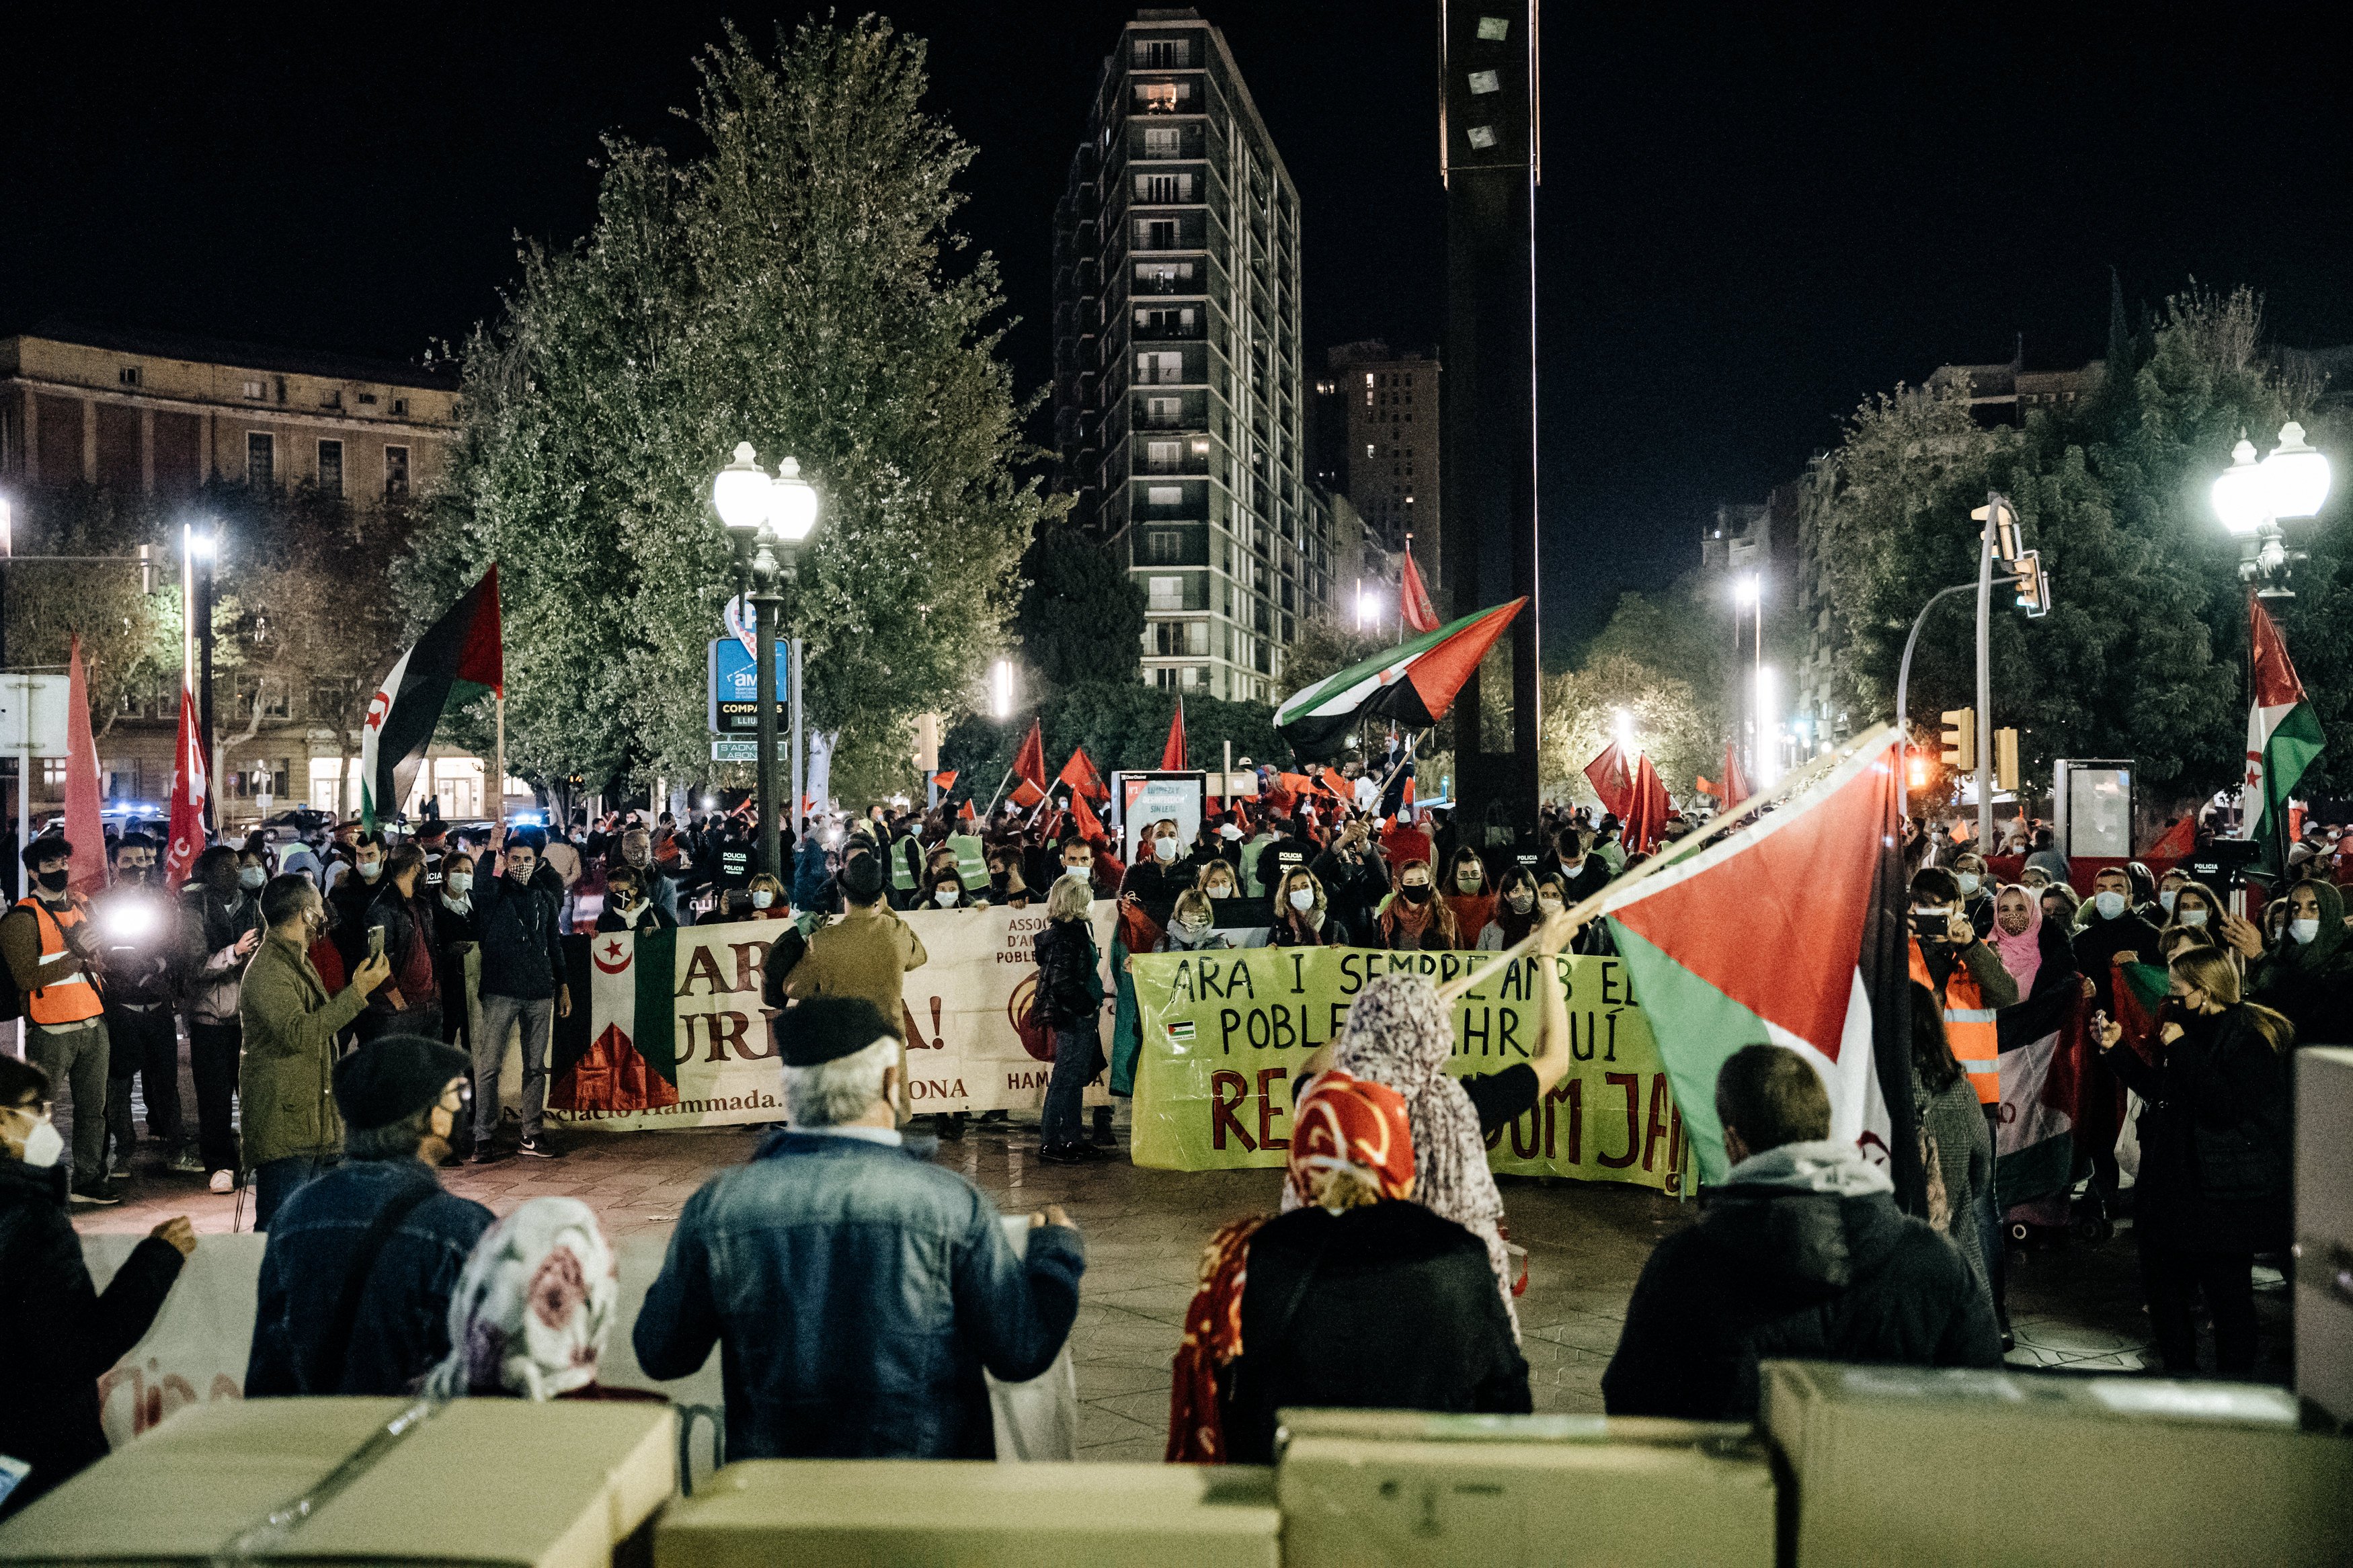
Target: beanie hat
(826,1028)
(862,878)
(395,1077)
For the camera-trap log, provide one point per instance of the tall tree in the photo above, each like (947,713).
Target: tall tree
(798,284)
(1082,615)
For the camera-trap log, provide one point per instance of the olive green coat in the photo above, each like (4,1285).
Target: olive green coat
(286,1084)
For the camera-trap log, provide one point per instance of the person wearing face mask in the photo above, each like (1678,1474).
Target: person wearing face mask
(138,925)
(1153,879)
(353,1293)
(2308,974)
(637,854)
(626,907)
(1191,926)
(410,1001)
(351,898)
(1977,889)
(1469,895)
(762,899)
(2108,928)
(65,1334)
(457,966)
(2030,948)
(1582,873)
(946,891)
(1515,911)
(220,928)
(2046,858)
(524,990)
(1301,918)
(2215,1149)
(291,1130)
(1289,850)
(55,960)
(1416,918)
(1352,875)
(1071,1003)
(2195,908)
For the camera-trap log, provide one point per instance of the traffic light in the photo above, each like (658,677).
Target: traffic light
(1961,738)
(2033,585)
(2005,760)
(2005,525)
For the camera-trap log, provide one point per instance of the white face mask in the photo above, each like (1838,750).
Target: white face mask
(1468,881)
(762,899)
(1549,906)
(2193,918)
(944,896)
(370,870)
(1970,884)
(2304,931)
(2109,905)
(1193,928)
(1163,848)
(44,1144)
(1222,890)
(1302,898)
(2165,896)
(459,883)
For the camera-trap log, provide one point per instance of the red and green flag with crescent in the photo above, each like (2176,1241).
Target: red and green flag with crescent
(1790,932)
(458,657)
(2282,736)
(1412,686)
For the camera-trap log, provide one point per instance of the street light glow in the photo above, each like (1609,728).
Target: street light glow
(1625,723)
(1001,688)
(2296,476)
(1749,588)
(792,502)
(2238,499)
(741,493)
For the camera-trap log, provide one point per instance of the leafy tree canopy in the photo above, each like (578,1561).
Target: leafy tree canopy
(1081,616)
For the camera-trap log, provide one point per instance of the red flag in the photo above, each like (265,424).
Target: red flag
(1079,774)
(1026,795)
(945,781)
(965,813)
(1646,817)
(85,822)
(1413,599)
(1029,761)
(1172,755)
(1340,787)
(2179,839)
(1613,780)
(1736,783)
(189,786)
(1083,818)
(1706,788)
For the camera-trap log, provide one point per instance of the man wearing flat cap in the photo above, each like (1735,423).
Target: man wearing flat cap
(857,1289)
(355,1282)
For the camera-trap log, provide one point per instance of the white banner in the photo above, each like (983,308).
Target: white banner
(974,1041)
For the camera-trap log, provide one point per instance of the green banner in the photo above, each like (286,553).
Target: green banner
(1225,1035)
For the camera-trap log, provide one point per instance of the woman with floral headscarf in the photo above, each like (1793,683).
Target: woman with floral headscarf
(533,1308)
(1281,1315)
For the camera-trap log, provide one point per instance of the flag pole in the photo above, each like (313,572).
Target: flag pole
(1793,782)
(1000,790)
(499,785)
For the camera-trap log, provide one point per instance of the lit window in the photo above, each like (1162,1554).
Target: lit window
(256,390)
(1484,82)
(1494,29)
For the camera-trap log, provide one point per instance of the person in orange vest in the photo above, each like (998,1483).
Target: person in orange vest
(1950,958)
(52,955)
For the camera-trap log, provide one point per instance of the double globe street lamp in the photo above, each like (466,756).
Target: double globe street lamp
(769,520)
(2252,498)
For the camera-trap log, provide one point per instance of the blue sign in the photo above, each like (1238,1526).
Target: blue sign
(734,685)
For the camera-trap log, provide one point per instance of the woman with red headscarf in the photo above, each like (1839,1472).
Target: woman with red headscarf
(1359,1298)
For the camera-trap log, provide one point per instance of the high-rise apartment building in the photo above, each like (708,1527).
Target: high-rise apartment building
(1179,392)
(1390,469)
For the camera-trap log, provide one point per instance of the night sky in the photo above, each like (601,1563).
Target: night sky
(1747,222)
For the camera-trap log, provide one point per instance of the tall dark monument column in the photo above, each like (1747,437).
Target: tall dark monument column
(1489,120)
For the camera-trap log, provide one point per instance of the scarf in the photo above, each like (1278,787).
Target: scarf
(1340,1124)
(534,1305)
(2021,954)
(1404,915)
(1398,1034)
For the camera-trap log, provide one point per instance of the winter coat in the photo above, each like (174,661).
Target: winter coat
(2097,944)
(867,953)
(1352,889)
(522,941)
(408,923)
(285,1088)
(856,1291)
(1802,1255)
(1069,981)
(2311,983)
(1439,1341)
(212,929)
(2215,1141)
(63,1333)
(1954,1119)
(403,1327)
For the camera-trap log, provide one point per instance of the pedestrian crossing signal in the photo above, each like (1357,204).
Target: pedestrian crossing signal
(2033,585)
(1961,738)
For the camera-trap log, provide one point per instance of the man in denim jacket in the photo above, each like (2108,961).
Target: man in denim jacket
(856,1290)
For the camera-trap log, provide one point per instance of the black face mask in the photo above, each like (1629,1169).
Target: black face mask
(54,881)
(1414,894)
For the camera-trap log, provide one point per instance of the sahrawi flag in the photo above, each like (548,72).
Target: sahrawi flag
(459,656)
(2282,734)
(1788,931)
(1412,686)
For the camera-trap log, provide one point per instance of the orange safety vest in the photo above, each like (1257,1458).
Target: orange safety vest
(1969,1025)
(72,998)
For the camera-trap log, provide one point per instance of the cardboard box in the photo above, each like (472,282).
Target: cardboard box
(2324,1227)
(831,1513)
(1397,1487)
(487,1482)
(1904,1464)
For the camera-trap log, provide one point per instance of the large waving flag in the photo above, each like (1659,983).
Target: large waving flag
(1790,930)
(1646,813)
(190,786)
(1172,751)
(2283,737)
(461,657)
(85,819)
(1412,685)
(1413,599)
(1612,778)
(1079,774)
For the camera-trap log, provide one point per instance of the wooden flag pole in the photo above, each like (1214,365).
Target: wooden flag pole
(992,799)
(499,784)
(1792,782)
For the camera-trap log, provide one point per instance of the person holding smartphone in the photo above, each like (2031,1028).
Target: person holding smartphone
(400,927)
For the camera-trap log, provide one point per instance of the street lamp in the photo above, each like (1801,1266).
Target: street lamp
(770,518)
(2252,498)
(1001,688)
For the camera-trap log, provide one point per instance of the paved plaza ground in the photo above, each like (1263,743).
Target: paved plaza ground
(2073,1305)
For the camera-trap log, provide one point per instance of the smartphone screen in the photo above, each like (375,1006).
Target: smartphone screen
(1929,925)
(375,942)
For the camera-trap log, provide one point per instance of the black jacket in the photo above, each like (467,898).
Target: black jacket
(1438,1340)
(2215,1140)
(63,1335)
(2098,944)
(522,950)
(1069,991)
(403,929)
(1352,889)
(1777,1273)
